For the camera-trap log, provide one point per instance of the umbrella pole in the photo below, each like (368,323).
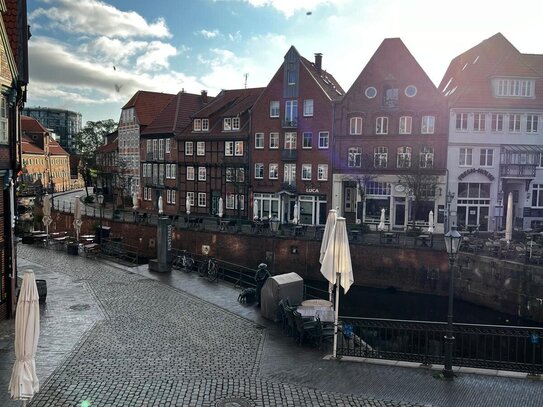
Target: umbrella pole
(336,319)
(331,290)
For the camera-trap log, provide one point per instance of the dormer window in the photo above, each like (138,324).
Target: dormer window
(227,123)
(520,88)
(235,123)
(205,124)
(197,125)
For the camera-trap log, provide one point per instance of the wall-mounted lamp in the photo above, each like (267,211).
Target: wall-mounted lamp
(294,249)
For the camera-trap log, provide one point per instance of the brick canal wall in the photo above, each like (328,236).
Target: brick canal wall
(503,286)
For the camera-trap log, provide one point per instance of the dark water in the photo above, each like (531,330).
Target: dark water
(382,303)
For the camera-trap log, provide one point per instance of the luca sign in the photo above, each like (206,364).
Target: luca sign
(312,190)
(476,170)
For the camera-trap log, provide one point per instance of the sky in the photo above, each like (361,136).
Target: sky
(91,56)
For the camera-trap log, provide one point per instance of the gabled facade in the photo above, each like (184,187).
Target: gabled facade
(159,153)
(390,140)
(107,162)
(291,142)
(136,115)
(214,155)
(495,100)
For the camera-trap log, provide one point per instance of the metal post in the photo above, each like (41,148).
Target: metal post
(449,338)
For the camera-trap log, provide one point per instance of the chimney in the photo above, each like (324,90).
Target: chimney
(204,96)
(318,62)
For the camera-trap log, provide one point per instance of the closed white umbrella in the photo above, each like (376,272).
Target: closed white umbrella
(77,217)
(337,263)
(221,208)
(381,225)
(295,219)
(509,218)
(330,222)
(160,206)
(255,209)
(24,382)
(47,214)
(187,204)
(135,202)
(431,222)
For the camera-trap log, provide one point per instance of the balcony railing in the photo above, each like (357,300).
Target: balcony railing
(517,170)
(290,124)
(289,155)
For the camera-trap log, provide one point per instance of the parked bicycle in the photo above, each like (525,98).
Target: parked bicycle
(183,261)
(209,268)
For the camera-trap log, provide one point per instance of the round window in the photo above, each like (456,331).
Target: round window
(371,92)
(411,91)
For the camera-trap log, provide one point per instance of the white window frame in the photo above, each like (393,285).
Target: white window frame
(403,157)
(354,157)
(274,141)
(202,199)
(291,110)
(259,141)
(229,174)
(355,125)
(381,125)
(290,141)
(465,157)
(380,157)
(486,155)
(289,173)
(202,174)
(238,148)
(497,122)
(189,148)
(230,200)
(205,124)
(273,171)
(532,123)
(322,172)
(428,125)
(227,124)
(197,125)
(324,140)
(307,146)
(426,157)
(405,125)
(235,123)
(461,122)
(229,148)
(275,108)
(259,170)
(514,122)
(479,122)
(201,148)
(168,145)
(308,107)
(190,173)
(306,172)
(161,149)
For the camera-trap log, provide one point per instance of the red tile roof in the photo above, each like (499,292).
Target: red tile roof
(31,125)
(148,105)
(176,115)
(109,147)
(29,147)
(467,80)
(232,102)
(10,21)
(55,148)
(325,80)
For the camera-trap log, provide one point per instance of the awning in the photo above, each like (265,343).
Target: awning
(522,148)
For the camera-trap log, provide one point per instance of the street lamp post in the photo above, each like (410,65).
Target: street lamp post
(453,239)
(500,210)
(100,202)
(274,224)
(449,197)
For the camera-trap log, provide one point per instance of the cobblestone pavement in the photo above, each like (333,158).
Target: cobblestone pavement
(137,340)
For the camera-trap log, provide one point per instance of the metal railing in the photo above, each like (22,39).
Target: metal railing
(478,346)
(117,250)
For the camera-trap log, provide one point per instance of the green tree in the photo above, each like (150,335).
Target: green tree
(87,142)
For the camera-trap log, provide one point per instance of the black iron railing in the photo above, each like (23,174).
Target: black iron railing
(117,250)
(480,346)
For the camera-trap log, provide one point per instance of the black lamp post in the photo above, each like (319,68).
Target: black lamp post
(453,239)
(274,224)
(500,210)
(449,197)
(100,202)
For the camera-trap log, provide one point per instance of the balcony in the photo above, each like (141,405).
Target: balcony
(290,124)
(289,155)
(517,171)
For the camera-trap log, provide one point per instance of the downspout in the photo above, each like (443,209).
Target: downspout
(333,161)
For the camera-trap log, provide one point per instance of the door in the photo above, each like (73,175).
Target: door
(349,201)
(399,211)
(215,195)
(472,215)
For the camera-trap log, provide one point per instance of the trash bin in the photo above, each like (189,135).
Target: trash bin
(283,286)
(42,290)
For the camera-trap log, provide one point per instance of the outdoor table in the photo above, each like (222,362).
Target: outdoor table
(317,308)
(425,240)
(390,237)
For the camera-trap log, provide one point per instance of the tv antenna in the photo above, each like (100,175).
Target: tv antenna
(246,75)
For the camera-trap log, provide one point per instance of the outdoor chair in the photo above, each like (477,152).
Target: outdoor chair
(324,334)
(291,324)
(304,328)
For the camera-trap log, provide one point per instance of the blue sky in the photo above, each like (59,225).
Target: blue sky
(91,56)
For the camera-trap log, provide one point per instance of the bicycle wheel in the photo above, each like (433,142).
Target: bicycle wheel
(202,269)
(188,264)
(212,272)
(176,263)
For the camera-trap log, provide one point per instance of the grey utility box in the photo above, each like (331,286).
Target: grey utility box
(281,287)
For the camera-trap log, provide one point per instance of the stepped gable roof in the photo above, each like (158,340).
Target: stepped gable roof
(393,60)
(326,80)
(109,147)
(28,146)
(467,79)
(148,105)
(176,115)
(31,125)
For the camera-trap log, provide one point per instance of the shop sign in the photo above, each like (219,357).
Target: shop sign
(312,190)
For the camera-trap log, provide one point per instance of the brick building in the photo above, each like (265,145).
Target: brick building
(291,148)
(107,162)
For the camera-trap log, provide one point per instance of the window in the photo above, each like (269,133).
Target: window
(274,108)
(426,157)
(307,140)
(229,174)
(322,172)
(381,125)
(403,157)
(197,125)
(200,148)
(291,77)
(380,157)
(227,123)
(355,126)
(289,175)
(201,199)
(461,121)
(497,122)
(290,141)
(201,173)
(240,175)
(274,141)
(531,123)
(465,157)
(239,148)
(371,92)
(354,157)
(405,124)
(190,173)
(514,123)
(155,149)
(411,91)
(168,145)
(324,139)
(306,172)
(273,171)
(259,140)
(149,146)
(228,148)
(390,98)
(513,87)
(539,161)
(291,112)
(235,123)
(161,149)
(205,124)
(308,107)
(259,171)
(537,195)
(428,124)
(170,196)
(189,148)
(486,158)
(230,200)
(479,121)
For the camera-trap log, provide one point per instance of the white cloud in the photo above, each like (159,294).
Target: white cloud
(208,34)
(156,56)
(94,17)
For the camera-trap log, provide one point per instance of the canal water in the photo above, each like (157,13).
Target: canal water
(391,304)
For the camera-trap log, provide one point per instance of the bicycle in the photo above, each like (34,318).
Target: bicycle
(209,268)
(184,261)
